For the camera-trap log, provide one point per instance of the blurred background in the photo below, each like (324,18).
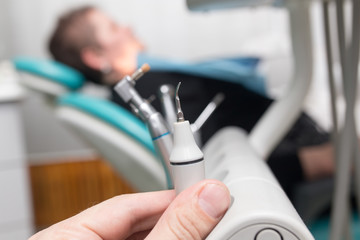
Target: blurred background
(64,171)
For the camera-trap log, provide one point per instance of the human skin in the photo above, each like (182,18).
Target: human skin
(118,47)
(153,215)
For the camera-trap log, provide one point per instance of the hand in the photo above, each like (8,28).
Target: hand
(153,215)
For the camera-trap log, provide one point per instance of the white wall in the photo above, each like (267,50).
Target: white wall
(167,27)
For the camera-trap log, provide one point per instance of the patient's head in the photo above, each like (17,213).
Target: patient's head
(91,42)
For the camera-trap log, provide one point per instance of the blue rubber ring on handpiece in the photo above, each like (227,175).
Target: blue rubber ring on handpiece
(167,173)
(162,135)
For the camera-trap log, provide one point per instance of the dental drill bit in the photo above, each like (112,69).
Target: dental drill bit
(140,72)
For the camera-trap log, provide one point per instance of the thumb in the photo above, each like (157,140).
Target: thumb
(194,213)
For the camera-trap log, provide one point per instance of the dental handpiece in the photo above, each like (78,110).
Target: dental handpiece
(186,159)
(206,113)
(166,96)
(159,131)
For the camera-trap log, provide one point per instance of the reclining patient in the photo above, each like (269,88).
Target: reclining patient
(104,51)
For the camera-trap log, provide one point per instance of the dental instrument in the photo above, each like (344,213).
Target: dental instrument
(205,115)
(140,72)
(186,159)
(166,95)
(159,131)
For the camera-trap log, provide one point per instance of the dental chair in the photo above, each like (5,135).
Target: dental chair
(116,134)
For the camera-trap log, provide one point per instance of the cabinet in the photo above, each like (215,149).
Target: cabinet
(15,196)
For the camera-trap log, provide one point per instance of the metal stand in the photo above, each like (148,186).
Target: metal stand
(347,150)
(282,114)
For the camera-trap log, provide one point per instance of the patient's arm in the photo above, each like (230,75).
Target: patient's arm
(317,161)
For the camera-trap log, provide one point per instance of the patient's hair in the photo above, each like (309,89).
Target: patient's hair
(72,33)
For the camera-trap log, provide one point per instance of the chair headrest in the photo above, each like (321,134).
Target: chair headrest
(112,114)
(51,70)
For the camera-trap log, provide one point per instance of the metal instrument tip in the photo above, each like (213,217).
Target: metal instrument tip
(179,113)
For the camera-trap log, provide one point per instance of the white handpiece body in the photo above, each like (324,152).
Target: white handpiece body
(186,158)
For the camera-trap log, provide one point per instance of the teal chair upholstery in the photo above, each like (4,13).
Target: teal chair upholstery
(51,70)
(111,113)
(321,228)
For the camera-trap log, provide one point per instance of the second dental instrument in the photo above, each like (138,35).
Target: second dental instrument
(186,158)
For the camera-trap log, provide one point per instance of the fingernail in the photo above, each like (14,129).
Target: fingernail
(214,200)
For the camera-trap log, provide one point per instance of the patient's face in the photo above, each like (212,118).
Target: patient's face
(118,43)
